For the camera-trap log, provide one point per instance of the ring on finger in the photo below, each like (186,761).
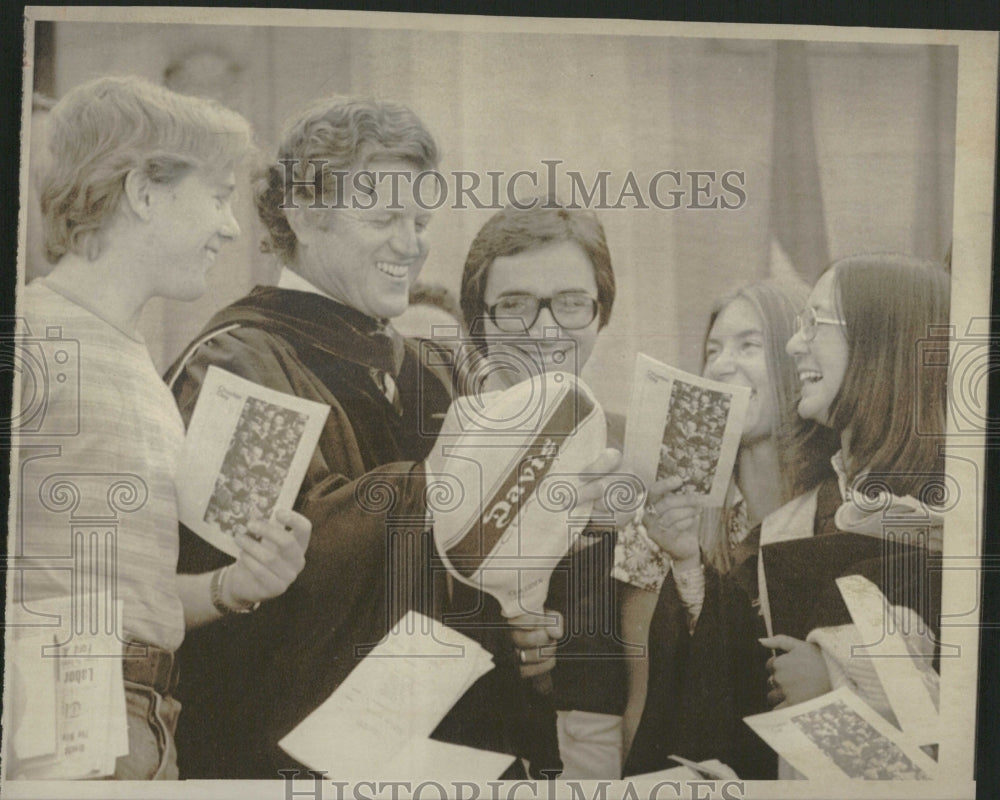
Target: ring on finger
(522,655)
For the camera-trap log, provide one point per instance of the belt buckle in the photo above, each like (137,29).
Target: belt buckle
(156,669)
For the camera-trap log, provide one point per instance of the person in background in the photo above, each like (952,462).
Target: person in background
(431,306)
(136,202)
(697,692)
(537,288)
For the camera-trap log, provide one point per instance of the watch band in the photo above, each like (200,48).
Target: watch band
(215,587)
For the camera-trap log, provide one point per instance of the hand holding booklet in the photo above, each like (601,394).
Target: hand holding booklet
(839,735)
(682,426)
(245,455)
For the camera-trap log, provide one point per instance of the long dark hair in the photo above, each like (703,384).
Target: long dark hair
(892,403)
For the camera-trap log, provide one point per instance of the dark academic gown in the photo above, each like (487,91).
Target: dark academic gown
(702,685)
(248,680)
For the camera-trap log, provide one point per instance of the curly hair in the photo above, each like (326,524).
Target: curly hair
(103,130)
(320,144)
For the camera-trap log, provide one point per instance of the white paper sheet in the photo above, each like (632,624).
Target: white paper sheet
(908,679)
(69,715)
(34,699)
(245,455)
(398,693)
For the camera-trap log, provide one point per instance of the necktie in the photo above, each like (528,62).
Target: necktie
(387,385)
(384,380)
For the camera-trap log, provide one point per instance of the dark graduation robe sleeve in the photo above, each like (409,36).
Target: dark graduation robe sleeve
(345,503)
(247,680)
(908,576)
(258,356)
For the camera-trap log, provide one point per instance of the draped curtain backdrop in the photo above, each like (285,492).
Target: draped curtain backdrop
(843,148)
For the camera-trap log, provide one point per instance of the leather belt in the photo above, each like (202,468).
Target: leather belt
(150,666)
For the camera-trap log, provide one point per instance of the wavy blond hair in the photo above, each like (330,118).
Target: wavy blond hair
(101,131)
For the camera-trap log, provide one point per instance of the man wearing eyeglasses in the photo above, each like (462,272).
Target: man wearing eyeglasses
(536,290)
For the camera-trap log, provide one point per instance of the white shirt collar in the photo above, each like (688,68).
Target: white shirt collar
(870,515)
(289,279)
(837,462)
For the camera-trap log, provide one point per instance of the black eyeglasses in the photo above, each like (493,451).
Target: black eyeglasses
(516,313)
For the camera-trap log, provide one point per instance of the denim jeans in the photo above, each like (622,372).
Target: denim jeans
(152,720)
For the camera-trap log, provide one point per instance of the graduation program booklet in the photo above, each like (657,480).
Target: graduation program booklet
(837,737)
(904,669)
(683,425)
(245,454)
(678,425)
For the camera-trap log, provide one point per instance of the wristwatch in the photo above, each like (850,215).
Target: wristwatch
(215,587)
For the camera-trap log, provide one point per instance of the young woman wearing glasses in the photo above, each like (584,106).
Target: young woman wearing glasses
(857,350)
(856,354)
